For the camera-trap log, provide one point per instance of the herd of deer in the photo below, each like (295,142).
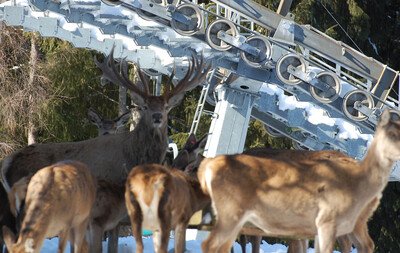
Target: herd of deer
(79,190)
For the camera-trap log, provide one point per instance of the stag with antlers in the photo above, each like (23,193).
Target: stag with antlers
(110,157)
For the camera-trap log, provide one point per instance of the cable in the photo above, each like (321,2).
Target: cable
(341,27)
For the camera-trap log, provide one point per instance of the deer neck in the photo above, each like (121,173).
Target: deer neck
(377,166)
(201,200)
(146,144)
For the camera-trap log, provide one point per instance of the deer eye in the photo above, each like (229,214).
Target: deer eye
(145,107)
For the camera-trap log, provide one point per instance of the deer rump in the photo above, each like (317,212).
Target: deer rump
(162,194)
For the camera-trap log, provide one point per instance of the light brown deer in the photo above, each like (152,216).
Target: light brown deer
(58,202)
(298,193)
(161,198)
(111,156)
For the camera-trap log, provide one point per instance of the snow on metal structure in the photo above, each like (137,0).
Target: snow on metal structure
(283,76)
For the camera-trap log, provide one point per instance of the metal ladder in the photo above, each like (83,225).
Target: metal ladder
(214,77)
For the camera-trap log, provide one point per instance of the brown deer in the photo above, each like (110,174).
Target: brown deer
(111,156)
(296,193)
(108,126)
(109,208)
(59,200)
(161,198)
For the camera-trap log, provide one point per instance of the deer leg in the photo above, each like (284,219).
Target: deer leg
(316,244)
(243,242)
(326,236)
(113,240)
(62,241)
(297,246)
(255,243)
(136,222)
(361,239)
(344,242)
(78,235)
(180,236)
(136,219)
(161,236)
(160,240)
(222,235)
(96,234)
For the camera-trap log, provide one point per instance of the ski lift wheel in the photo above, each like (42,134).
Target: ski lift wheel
(265,48)
(332,94)
(282,68)
(349,101)
(212,34)
(194,13)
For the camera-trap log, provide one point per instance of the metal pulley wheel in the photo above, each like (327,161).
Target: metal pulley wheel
(195,16)
(350,100)
(282,68)
(262,44)
(332,93)
(272,132)
(212,34)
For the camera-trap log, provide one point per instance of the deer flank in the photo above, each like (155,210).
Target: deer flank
(298,193)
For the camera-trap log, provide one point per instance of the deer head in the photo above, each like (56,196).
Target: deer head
(108,126)
(155,108)
(188,157)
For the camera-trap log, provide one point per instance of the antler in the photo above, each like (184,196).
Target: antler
(195,75)
(111,73)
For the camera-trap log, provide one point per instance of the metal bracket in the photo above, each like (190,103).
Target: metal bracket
(372,114)
(180,17)
(239,42)
(309,77)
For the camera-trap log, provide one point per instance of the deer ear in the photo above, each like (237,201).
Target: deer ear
(9,237)
(93,117)
(137,99)
(124,119)
(190,142)
(203,141)
(175,100)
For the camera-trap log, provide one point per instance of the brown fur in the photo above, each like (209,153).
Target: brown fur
(173,197)
(298,193)
(108,210)
(58,202)
(17,195)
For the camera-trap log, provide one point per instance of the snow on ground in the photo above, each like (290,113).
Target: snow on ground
(127,245)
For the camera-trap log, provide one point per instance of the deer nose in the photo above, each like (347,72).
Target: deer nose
(157,117)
